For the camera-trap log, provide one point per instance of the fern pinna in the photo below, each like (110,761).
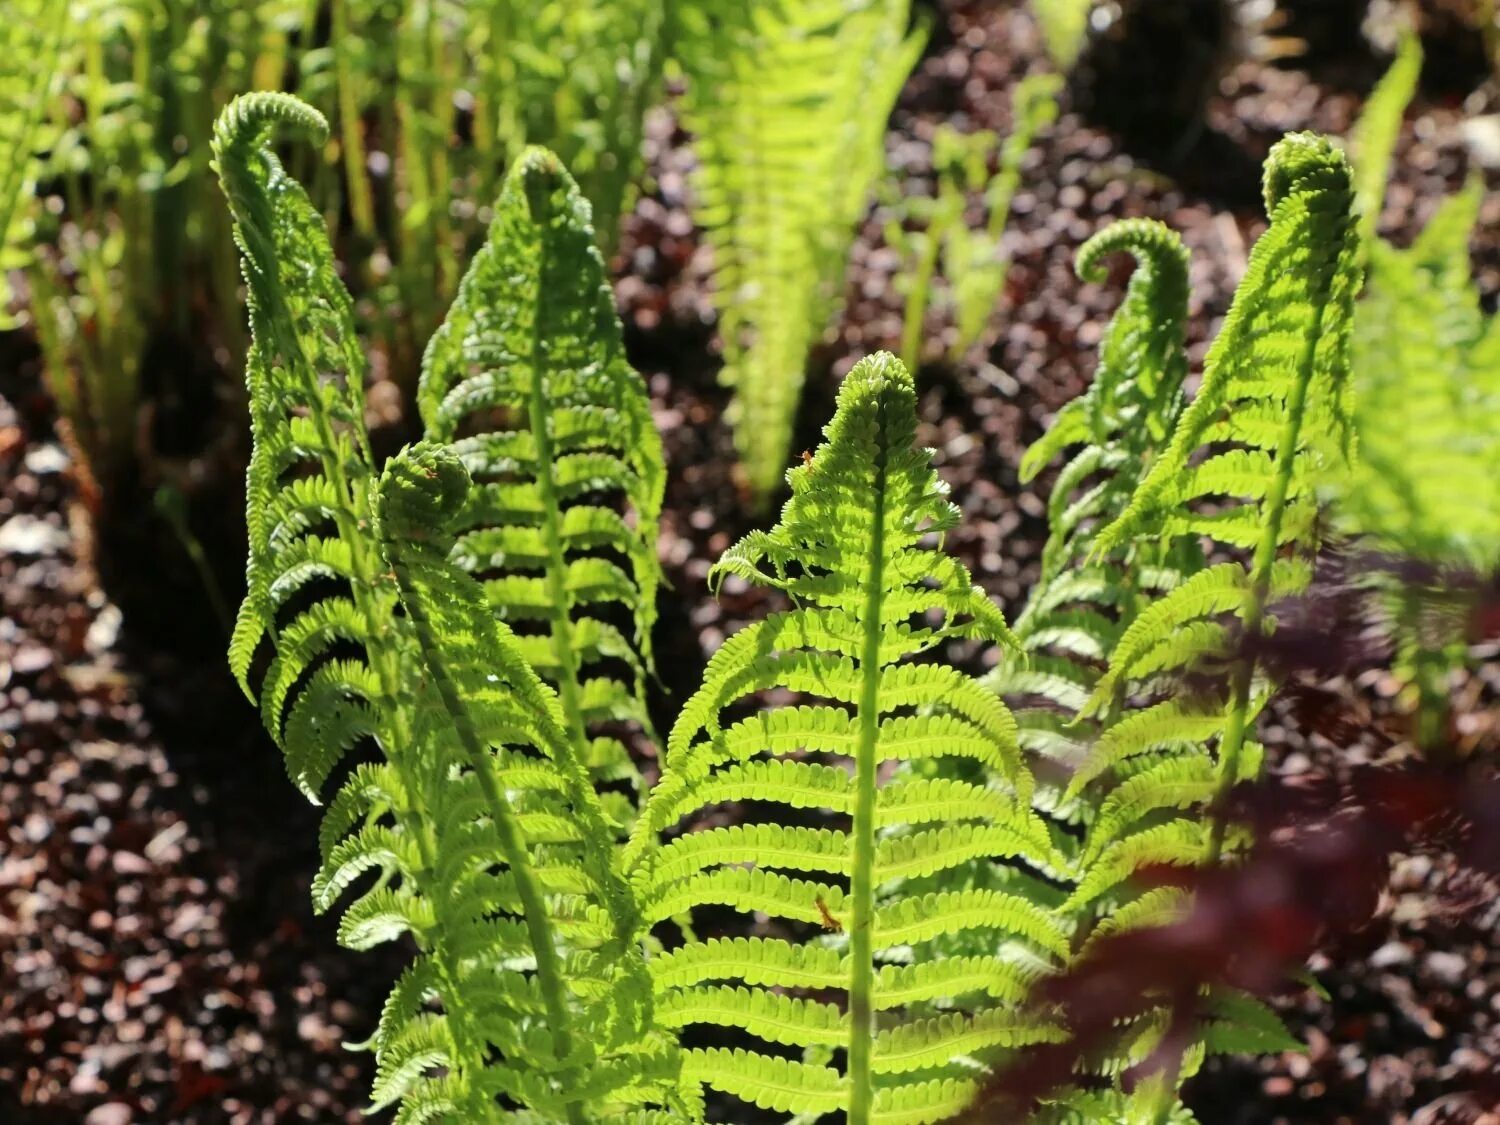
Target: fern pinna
(491,847)
(1170,719)
(851,553)
(787,102)
(527,381)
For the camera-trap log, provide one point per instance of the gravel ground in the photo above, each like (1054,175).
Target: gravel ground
(159,961)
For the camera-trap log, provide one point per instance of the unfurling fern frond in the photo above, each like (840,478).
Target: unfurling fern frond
(1269,423)
(1078,609)
(787,103)
(870,594)
(310,467)
(527,380)
(491,857)
(523,868)
(1375,133)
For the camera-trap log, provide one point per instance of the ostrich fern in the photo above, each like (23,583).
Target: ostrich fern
(787,103)
(491,844)
(918,879)
(861,615)
(528,382)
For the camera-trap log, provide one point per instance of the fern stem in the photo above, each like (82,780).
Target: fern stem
(1287,452)
(861,925)
(559,603)
(512,843)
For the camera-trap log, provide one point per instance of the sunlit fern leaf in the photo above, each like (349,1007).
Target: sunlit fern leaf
(1373,141)
(310,464)
(1269,424)
(1275,388)
(493,759)
(527,381)
(787,103)
(861,614)
(1078,608)
(1136,395)
(30,37)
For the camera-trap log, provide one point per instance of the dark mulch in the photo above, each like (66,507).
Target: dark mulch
(159,961)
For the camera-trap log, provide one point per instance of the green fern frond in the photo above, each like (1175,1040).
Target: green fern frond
(527,381)
(863,615)
(1373,141)
(478,823)
(479,696)
(1428,400)
(787,104)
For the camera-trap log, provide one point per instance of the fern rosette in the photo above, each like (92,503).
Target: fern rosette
(852,551)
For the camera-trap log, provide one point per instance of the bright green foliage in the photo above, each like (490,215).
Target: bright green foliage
(1125,589)
(1427,365)
(30,38)
(1079,607)
(497,772)
(527,379)
(492,849)
(787,103)
(1268,424)
(1375,134)
(1065,25)
(850,551)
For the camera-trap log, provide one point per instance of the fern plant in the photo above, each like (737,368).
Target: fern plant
(1129,610)
(491,846)
(527,381)
(1427,372)
(846,649)
(787,104)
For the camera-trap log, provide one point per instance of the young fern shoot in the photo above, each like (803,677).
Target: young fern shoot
(787,104)
(457,782)
(862,614)
(527,381)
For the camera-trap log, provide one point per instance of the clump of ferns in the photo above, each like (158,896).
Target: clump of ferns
(888,799)
(459,776)
(1136,634)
